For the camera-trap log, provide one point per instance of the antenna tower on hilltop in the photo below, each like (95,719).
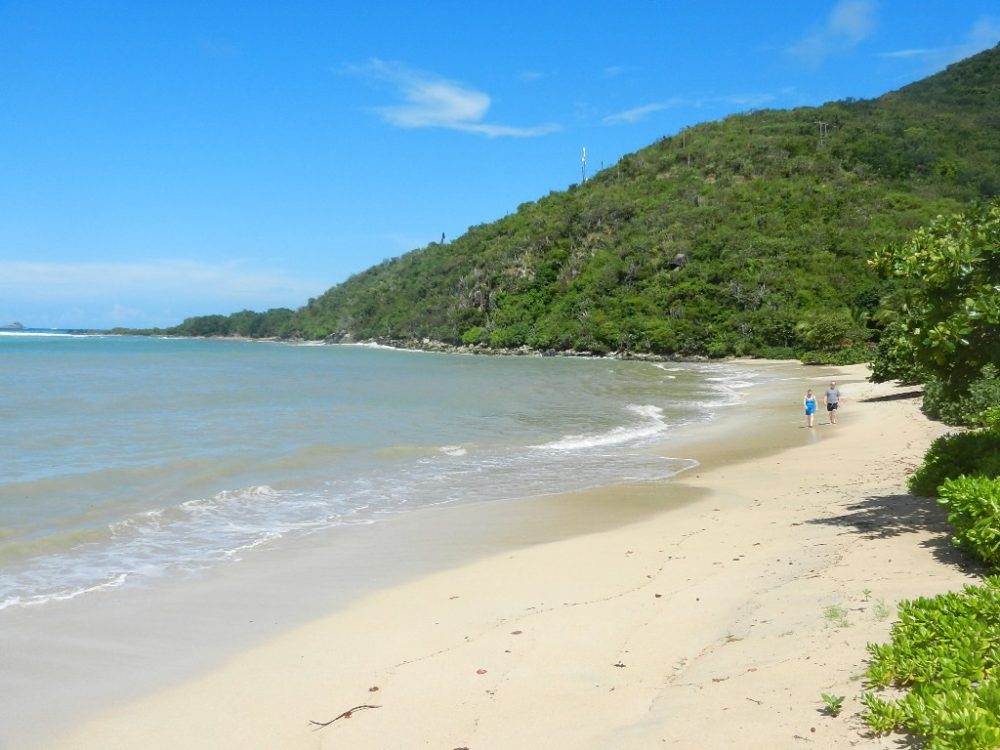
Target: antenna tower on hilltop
(583,165)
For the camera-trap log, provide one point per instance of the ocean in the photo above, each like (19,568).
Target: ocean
(134,460)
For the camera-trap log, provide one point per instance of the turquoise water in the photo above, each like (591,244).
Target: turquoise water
(131,459)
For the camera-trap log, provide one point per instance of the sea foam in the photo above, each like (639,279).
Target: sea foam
(652,423)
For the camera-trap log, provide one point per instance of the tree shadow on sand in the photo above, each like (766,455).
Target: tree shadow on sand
(887,516)
(892,397)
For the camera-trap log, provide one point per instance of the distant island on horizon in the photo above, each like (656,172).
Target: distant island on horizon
(18,327)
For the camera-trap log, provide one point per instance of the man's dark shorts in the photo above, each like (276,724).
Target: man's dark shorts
(832,407)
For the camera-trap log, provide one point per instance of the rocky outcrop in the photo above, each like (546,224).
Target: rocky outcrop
(430,345)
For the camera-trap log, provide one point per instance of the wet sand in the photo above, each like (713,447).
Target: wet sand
(684,613)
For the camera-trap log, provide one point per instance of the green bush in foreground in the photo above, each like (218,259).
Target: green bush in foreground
(955,455)
(973,505)
(944,653)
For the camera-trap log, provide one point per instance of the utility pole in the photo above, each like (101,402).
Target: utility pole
(583,166)
(824,129)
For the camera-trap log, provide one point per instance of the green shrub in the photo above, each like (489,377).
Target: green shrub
(945,652)
(776,352)
(475,335)
(851,355)
(955,455)
(832,704)
(982,396)
(973,505)
(990,418)
(894,358)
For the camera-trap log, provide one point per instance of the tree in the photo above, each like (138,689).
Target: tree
(946,319)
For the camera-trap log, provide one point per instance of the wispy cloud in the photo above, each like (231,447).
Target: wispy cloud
(228,283)
(747,100)
(906,53)
(430,101)
(637,114)
(613,71)
(984,34)
(848,24)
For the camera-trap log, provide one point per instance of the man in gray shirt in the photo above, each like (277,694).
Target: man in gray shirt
(832,400)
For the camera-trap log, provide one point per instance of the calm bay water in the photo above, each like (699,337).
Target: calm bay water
(130,459)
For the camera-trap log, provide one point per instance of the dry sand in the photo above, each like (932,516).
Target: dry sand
(714,625)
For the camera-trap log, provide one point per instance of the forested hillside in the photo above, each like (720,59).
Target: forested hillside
(746,236)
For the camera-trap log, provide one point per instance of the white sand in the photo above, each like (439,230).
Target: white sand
(704,627)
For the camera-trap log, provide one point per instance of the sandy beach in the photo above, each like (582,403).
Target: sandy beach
(714,624)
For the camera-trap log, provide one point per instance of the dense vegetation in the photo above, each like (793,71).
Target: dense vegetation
(954,455)
(944,315)
(275,323)
(943,661)
(745,236)
(973,504)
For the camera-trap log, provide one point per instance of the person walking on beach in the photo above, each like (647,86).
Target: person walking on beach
(832,400)
(810,403)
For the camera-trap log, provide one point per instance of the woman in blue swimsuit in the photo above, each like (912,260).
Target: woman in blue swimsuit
(810,403)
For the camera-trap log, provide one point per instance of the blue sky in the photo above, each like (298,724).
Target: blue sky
(166,159)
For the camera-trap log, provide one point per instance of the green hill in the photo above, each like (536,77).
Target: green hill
(744,236)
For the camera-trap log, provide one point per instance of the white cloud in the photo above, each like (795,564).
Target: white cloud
(906,53)
(984,34)
(636,114)
(748,100)
(125,293)
(848,24)
(430,101)
(851,21)
(225,280)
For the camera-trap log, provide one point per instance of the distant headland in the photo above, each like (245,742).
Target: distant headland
(15,326)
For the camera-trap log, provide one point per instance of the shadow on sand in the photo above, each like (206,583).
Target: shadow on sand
(886,516)
(892,397)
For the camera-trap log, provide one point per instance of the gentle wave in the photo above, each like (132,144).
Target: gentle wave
(188,536)
(64,594)
(197,534)
(653,424)
(380,347)
(727,385)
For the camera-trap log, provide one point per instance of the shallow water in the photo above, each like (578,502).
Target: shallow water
(131,459)
(169,502)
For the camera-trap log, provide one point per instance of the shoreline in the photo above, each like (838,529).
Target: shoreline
(138,640)
(435,346)
(578,597)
